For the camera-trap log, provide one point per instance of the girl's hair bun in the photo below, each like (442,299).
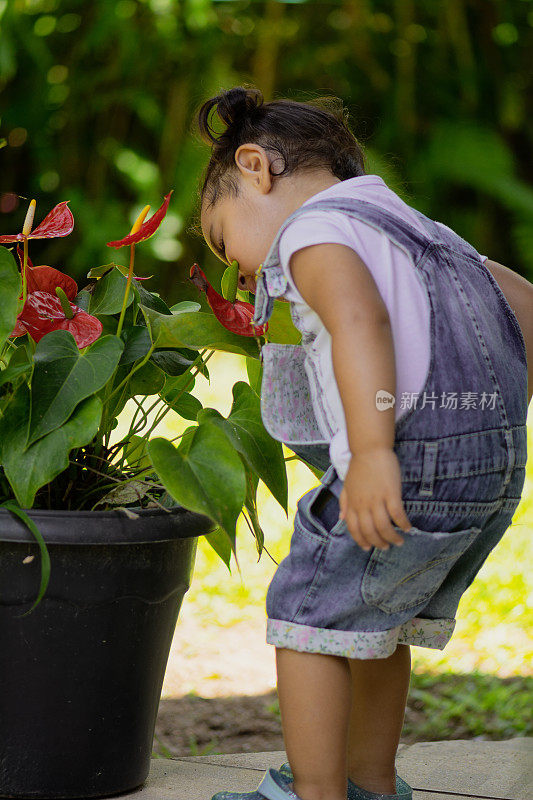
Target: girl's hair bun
(297,135)
(233,106)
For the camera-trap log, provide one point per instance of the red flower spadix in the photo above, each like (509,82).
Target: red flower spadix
(59,222)
(147,229)
(236,317)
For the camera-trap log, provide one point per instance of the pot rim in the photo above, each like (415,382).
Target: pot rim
(151,525)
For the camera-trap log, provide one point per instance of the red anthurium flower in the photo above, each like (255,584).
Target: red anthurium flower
(46,279)
(236,317)
(18,330)
(59,222)
(43,313)
(147,229)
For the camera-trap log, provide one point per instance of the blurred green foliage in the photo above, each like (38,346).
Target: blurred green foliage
(98,100)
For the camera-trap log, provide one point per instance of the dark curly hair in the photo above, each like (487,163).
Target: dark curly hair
(309,134)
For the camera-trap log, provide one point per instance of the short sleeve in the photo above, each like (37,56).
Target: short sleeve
(317,227)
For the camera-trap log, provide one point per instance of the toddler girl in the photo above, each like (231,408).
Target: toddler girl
(409,388)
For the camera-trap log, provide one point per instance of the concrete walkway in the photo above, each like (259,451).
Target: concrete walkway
(456,770)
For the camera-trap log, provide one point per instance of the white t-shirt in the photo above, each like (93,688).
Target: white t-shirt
(398,283)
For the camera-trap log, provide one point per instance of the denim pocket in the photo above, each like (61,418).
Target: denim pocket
(404,576)
(318,512)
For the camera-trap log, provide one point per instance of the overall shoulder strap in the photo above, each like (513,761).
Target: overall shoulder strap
(272,282)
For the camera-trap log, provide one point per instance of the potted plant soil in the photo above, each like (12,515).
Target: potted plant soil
(98,537)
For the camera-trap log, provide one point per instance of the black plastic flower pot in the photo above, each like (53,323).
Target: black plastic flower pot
(81,676)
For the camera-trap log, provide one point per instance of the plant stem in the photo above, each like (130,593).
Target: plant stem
(143,439)
(168,408)
(248,522)
(126,293)
(6,346)
(141,363)
(24,266)
(197,363)
(133,428)
(102,429)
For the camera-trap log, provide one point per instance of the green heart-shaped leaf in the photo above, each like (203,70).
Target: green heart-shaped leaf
(254,370)
(229,282)
(187,406)
(150,299)
(108,294)
(147,380)
(27,469)
(207,476)
(173,362)
(83,300)
(62,377)
(197,330)
(136,344)
(174,385)
(185,306)
(98,272)
(135,453)
(244,428)
(221,544)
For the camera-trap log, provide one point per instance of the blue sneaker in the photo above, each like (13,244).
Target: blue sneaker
(276,785)
(253,795)
(403,790)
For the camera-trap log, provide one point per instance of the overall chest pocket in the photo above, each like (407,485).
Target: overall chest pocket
(404,577)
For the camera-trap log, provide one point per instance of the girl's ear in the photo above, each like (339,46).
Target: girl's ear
(254,165)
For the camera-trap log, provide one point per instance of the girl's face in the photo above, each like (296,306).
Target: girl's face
(235,231)
(243,228)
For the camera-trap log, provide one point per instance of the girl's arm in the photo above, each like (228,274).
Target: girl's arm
(519,294)
(336,283)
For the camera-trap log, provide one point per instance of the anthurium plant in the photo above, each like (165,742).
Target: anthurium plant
(71,358)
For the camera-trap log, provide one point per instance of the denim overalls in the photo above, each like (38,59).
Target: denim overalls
(462,450)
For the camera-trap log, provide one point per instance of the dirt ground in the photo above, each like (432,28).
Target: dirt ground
(202,726)
(194,725)
(219,690)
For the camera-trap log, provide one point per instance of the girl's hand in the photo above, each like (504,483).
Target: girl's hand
(371,497)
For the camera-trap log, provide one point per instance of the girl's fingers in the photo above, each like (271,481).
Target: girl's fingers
(398,515)
(352,523)
(342,504)
(368,529)
(384,528)
(380,523)
(372,528)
